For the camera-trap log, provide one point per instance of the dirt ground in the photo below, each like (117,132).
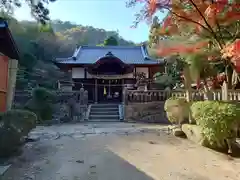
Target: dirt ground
(118,152)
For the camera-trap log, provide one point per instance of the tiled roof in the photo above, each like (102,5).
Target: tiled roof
(127,54)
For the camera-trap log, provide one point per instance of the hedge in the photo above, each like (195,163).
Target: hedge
(14,125)
(217,120)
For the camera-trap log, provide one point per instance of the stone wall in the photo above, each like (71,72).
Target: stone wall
(68,106)
(150,112)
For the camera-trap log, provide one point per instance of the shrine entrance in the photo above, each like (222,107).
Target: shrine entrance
(109,90)
(109,72)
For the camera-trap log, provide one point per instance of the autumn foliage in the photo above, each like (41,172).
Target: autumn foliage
(232,50)
(177,48)
(203,18)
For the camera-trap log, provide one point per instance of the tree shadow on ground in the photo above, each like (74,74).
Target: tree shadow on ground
(117,168)
(67,163)
(235,152)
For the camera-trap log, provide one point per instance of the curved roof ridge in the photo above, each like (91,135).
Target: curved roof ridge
(107,56)
(105,47)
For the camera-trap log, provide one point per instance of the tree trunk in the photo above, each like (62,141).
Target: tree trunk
(229,72)
(187,83)
(187,78)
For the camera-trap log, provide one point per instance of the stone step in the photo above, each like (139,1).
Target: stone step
(103,109)
(97,107)
(104,105)
(104,116)
(104,113)
(103,120)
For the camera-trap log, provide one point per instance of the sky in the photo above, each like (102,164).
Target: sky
(106,14)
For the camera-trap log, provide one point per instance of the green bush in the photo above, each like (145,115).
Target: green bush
(15,124)
(22,120)
(177,109)
(41,104)
(42,95)
(216,120)
(9,141)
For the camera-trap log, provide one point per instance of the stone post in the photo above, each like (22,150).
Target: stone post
(225,91)
(124,101)
(12,74)
(85,101)
(81,97)
(96,92)
(125,94)
(85,97)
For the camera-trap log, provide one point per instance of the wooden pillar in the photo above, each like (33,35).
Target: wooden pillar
(96,91)
(123,87)
(12,74)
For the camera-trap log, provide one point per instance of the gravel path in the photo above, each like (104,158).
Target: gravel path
(118,152)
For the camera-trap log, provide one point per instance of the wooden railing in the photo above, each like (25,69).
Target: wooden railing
(136,96)
(234,95)
(146,96)
(198,95)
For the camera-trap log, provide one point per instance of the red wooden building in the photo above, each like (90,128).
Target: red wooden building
(9,55)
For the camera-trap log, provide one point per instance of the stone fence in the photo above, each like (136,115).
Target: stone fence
(148,106)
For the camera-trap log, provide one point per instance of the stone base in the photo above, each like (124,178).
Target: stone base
(3,169)
(150,112)
(193,133)
(178,132)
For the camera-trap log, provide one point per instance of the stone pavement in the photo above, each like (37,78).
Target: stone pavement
(117,151)
(83,129)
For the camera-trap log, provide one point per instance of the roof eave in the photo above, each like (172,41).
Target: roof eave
(15,50)
(144,52)
(76,53)
(87,64)
(148,58)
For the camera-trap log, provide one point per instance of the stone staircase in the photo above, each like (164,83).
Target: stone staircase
(104,113)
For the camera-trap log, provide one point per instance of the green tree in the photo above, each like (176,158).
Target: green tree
(110,41)
(38,8)
(28,61)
